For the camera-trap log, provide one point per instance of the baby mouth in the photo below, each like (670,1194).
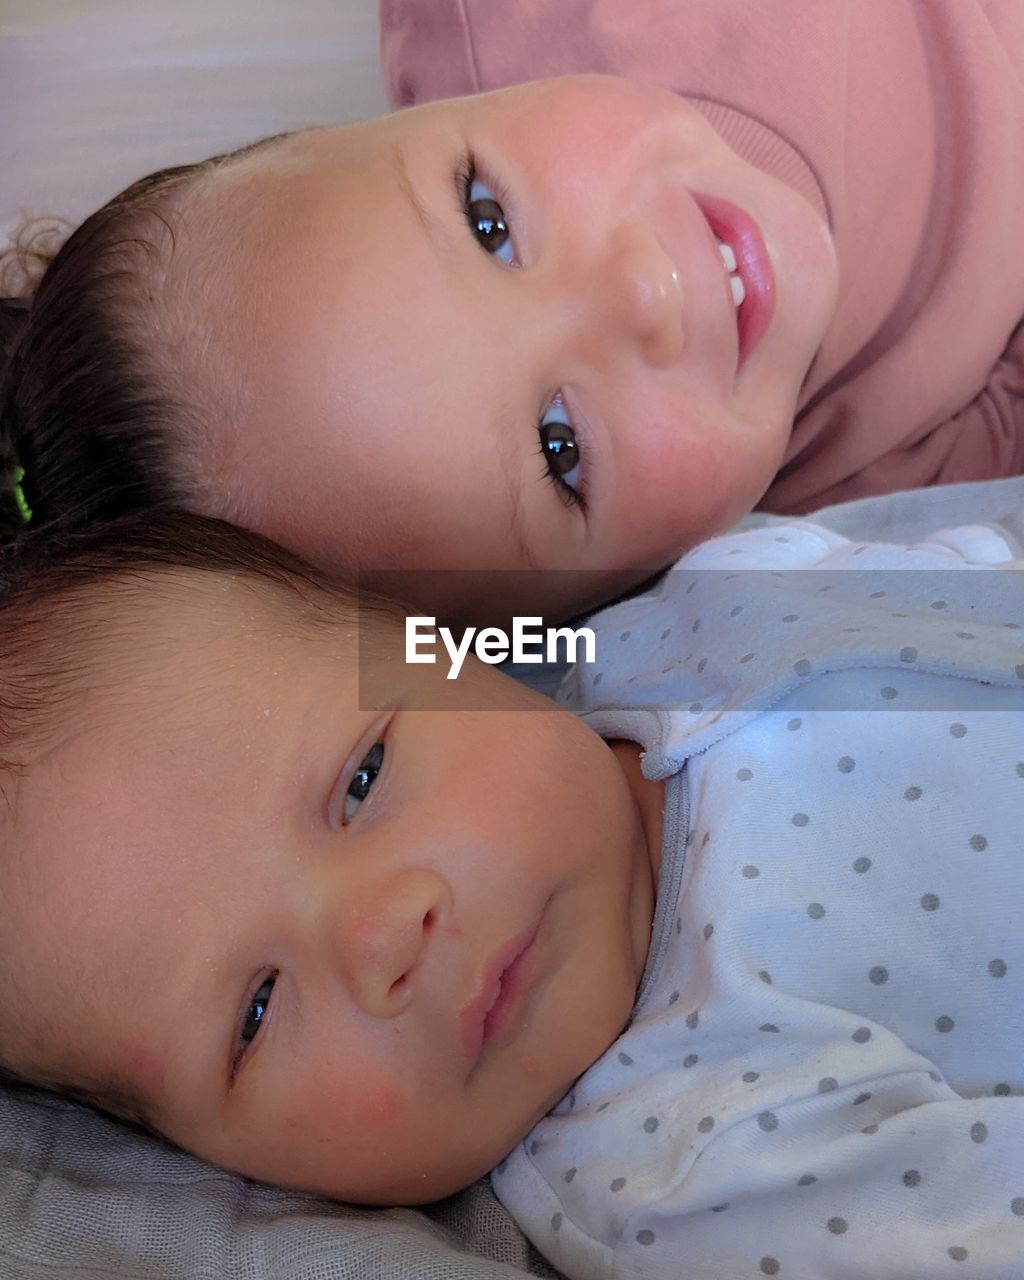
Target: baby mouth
(736,285)
(747,267)
(492,1008)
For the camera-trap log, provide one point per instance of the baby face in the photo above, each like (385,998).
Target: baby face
(355,951)
(499,332)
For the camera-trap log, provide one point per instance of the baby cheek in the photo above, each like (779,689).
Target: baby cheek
(143,1066)
(374,1105)
(384,1105)
(702,480)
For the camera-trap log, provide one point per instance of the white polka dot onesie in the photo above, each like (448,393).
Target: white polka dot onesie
(823,1074)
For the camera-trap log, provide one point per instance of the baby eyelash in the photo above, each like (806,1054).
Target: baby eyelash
(466,173)
(465,176)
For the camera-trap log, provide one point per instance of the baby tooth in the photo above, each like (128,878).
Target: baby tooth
(728,257)
(738,291)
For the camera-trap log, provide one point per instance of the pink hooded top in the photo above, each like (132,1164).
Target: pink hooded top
(901,120)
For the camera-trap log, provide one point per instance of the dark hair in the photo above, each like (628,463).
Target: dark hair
(60,598)
(86,406)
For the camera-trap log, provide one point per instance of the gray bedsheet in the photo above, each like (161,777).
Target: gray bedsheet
(83,1196)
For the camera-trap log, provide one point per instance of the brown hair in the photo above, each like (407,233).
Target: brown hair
(89,406)
(60,597)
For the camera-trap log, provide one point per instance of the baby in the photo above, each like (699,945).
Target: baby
(729,965)
(578,323)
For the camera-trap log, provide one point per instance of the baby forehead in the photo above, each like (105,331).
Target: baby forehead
(202,682)
(149,650)
(181,601)
(302,174)
(165,638)
(308,152)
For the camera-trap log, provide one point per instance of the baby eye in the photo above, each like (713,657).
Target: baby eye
(256,1011)
(362,780)
(486,217)
(560,451)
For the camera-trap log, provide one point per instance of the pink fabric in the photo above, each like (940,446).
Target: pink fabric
(902,119)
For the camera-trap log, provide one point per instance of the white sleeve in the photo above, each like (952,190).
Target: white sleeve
(805,544)
(997,543)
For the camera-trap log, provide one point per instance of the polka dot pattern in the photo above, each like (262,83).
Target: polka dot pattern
(845,949)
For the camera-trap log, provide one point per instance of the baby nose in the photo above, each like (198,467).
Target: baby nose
(385,934)
(643,295)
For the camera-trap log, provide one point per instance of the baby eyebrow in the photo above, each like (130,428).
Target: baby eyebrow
(436,234)
(515,493)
